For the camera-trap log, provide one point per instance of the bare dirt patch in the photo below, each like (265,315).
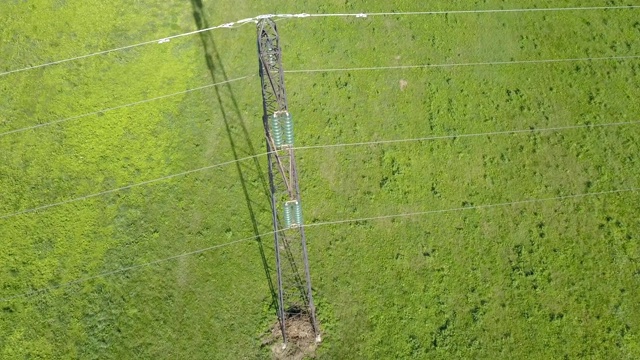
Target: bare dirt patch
(301,340)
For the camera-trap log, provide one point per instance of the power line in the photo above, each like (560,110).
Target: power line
(245,21)
(453,12)
(506,132)
(242,22)
(43,207)
(121,106)
(325,223)
(147,182)
(128,268)
(476,207)
(514,62)
(444,65)
(103,52)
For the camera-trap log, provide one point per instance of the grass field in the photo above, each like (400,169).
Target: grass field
(545,279)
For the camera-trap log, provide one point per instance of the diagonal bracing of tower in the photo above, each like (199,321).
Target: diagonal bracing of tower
(295,299)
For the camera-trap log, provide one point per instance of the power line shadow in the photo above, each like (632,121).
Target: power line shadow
(231,114)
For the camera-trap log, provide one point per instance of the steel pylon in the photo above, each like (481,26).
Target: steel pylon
(295,297)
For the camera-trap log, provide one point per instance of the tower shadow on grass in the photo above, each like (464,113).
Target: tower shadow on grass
(231,114)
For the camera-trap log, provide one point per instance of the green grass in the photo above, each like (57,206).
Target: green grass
(549,279)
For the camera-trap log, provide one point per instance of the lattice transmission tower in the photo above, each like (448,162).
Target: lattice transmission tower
(295,300)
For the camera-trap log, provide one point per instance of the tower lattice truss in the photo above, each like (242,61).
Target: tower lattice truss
(295,298)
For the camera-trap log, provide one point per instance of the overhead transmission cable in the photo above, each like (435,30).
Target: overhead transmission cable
(127,47)
(477,11)
(324,223)
(398,67)
(489,63)
(140,102)
(147,182)
(245,21)
(242,22)
(475,207)
(455,136)
(128,268)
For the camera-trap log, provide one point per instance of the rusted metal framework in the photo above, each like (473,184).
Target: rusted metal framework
(295,297)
